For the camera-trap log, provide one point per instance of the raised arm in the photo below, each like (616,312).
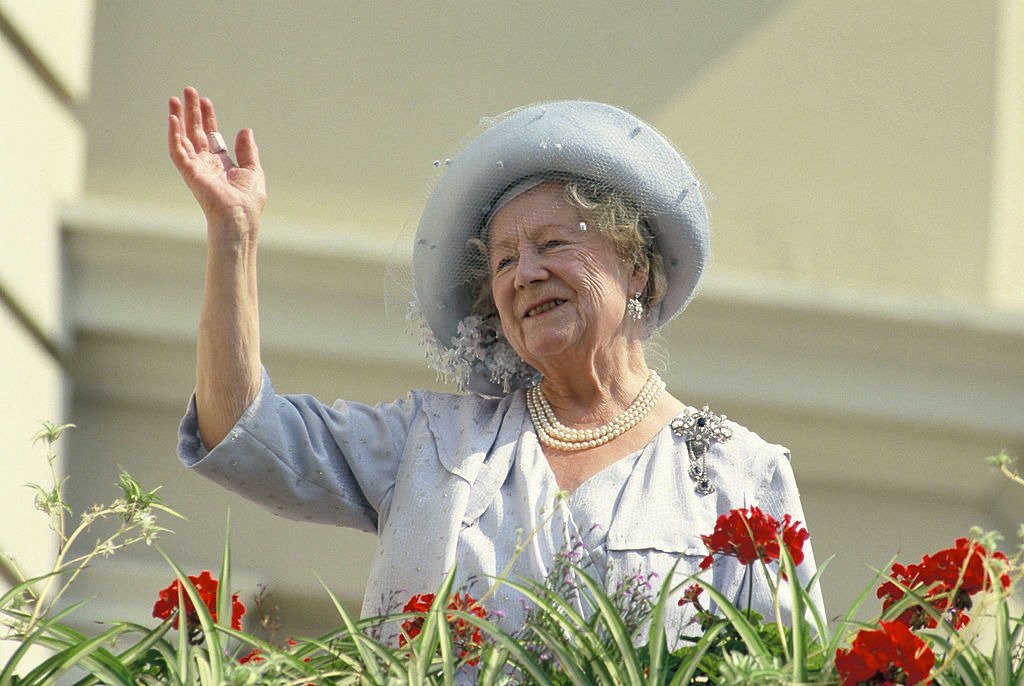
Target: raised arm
(232,197)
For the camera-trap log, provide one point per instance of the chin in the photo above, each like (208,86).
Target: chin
(544,351)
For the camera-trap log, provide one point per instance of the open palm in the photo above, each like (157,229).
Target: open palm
(227,192)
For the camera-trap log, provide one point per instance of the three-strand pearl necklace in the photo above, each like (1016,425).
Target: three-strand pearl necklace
(554,434)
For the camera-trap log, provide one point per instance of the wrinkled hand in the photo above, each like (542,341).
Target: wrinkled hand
(229,194)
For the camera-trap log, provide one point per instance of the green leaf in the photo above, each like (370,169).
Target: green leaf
(686,671)
(1002,652)
(737,618)
(206,674)
(213,646)
(7,675)
(569,660)
(426,644)
(820,623)
(106,665)
(442,631)
(69,657)
(492,666)
(224,595)
(798,619)
(577,630)
(51,432)
(366,654)
(847,620)
(656,642)
(521,657)
(964,663)
(15,591)
(1017,639)
(611,620)
(98,663)
(184,661)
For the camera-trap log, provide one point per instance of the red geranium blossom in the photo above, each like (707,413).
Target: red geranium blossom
(465,635)
(948,579)
(254,656)
(750,534)
(691,595)
(206,587)
(888,656)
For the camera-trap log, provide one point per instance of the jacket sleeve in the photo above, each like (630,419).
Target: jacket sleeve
(778,497)
(306,460)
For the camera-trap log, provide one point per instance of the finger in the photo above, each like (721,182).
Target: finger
(174,147)
(246,150)
(209,116)
(175,107)
(176,143)
(178,112)
(194,120)
(210,127)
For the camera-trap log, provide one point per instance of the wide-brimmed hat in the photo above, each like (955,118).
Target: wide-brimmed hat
(564,139)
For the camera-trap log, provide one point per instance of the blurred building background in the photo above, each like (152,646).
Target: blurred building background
(865,304)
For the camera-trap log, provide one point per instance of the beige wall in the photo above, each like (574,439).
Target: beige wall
(861,143)
(44,60)
(1006,278)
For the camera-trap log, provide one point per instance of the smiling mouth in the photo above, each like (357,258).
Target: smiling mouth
(541,309)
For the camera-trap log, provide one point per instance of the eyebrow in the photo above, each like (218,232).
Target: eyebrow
(541,228)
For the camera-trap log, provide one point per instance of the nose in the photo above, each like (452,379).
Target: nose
(529,269)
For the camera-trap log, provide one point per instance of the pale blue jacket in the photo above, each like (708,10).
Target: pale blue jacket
(420,471)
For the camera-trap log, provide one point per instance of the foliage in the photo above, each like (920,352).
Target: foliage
(927,632)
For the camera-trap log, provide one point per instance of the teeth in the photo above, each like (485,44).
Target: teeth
(551,304)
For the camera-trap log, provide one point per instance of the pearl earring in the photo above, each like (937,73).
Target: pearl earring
(635,308)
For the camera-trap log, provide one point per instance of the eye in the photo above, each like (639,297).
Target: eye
(503,262)
(553,243)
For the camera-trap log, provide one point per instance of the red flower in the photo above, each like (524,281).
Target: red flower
(750,534)
(948,579)
(465,635)
(890,655)
(206,587)
(691,595)
(253,656)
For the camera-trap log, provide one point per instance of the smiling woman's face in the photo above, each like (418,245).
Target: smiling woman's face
(559,289)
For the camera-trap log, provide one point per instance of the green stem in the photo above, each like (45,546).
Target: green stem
(81,561)
(750,588)
(1010,474)
(51,458)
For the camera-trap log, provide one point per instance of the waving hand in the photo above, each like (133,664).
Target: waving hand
(230,194)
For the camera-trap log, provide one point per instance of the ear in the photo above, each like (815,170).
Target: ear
(638,281)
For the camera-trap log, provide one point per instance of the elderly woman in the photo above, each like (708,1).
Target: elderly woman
(551,248)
